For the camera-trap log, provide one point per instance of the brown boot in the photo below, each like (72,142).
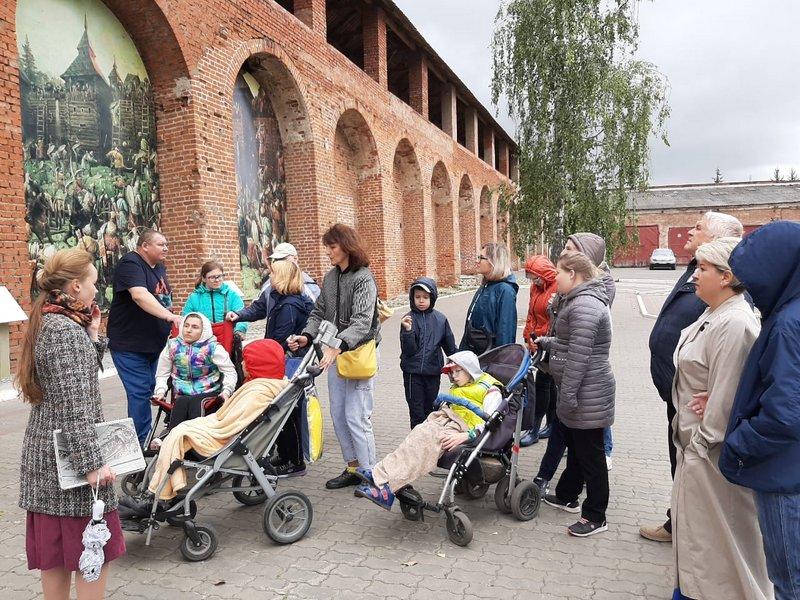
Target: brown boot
(657,533)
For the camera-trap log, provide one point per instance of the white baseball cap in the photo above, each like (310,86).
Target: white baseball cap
(283,250)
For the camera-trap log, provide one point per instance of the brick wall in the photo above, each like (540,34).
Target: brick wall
(340,127)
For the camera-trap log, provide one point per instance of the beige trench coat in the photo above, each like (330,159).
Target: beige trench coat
(715,535)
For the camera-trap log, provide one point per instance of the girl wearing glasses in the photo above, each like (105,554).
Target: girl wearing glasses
(214,298)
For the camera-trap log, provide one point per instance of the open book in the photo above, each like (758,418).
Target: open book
(118,445)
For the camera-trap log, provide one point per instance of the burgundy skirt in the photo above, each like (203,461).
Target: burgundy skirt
(53,542)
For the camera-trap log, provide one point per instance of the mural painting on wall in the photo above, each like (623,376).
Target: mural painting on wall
(88,130)
(260,180)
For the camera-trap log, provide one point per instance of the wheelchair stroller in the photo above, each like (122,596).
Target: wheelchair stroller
(242,468)
(490,459)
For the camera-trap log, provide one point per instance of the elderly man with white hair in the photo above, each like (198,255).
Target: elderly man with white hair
(681,308)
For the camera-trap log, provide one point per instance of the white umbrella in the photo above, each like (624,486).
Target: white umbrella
(95,537)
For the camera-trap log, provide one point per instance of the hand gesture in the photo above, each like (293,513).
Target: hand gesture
(329,357)
(698,403)
(93,329)
(102,476)
(175,320)
(231,316)
(406,322)
(453,439)
(296,341)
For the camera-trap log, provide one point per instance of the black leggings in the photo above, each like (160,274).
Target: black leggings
(288,443)
(185,408)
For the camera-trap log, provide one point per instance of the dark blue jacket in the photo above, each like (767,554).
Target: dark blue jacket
(494,309)
(287,314)
(421,348)
(681,308)
(762,445)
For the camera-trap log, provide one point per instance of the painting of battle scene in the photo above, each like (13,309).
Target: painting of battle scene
(88,133)
(260,181)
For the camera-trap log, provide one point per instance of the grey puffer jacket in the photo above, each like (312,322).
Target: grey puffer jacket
(579,358)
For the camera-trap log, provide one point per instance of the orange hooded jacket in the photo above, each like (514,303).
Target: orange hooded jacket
(538,319)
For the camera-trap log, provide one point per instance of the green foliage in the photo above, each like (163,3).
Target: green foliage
(718,176)
(585,109)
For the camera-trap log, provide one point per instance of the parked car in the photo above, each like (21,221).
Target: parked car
(662,258)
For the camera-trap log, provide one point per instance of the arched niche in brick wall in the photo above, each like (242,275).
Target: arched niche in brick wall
(272,144)
(357,186)
(408,211)
(467,225)
(486,213)
(444,226)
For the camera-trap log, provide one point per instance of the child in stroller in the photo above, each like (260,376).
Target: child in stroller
(444,430)
(200,368)
(475,434)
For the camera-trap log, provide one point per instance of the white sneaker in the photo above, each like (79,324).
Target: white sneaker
(609,463)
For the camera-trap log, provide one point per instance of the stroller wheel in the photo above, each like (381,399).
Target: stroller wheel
(474,491)
(251,498)
(525,500)
(131,483)
(411,511)
(501,499)
(459,528)
(204,549)
(287,517)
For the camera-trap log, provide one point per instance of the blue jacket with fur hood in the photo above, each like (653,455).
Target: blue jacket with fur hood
(421,348)
(762,445)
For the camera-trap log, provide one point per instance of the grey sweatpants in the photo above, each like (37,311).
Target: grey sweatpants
(351,410)
(419,452)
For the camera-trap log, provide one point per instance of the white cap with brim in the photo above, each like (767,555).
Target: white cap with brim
(283,250)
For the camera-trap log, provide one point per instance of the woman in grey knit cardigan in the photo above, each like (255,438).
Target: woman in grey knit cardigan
(57,375)
(348,299)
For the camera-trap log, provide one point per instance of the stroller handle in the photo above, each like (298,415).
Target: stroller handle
(449,399)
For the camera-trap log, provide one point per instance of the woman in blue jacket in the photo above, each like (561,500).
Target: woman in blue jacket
(214,298)
(288,314)
(762,445)
(492,316)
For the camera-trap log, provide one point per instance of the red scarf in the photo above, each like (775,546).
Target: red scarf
(61,303)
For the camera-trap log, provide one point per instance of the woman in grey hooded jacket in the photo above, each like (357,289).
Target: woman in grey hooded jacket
(579,364)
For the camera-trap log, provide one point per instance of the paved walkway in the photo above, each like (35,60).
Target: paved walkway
(355,550)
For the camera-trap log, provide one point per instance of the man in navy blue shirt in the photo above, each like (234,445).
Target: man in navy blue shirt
(681,308)
(139,322)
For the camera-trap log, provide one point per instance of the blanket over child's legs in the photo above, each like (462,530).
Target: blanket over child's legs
(419,452)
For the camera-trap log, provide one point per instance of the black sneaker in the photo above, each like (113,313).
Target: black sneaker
(346,479)
(289,469)
(585,528)
(543,485)
(556,502)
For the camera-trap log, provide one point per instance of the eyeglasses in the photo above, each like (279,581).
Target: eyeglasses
(482,257)
(274,260)
(215,277)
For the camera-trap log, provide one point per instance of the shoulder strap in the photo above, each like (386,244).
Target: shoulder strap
(475,301)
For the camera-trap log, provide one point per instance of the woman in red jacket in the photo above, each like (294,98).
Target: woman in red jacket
(542,275)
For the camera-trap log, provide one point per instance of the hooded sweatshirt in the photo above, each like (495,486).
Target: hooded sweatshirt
(215,304)
(538,322)
(494,309)
(762,445)
(594,247)
(421,347)
(288,316)
(201,367)
(483,390)
(579,362)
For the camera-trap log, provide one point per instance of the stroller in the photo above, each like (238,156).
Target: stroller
(490,459)
(241,468)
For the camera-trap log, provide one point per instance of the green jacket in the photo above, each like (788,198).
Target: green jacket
(214,304)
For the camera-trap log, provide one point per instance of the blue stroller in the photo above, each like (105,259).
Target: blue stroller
(490,459)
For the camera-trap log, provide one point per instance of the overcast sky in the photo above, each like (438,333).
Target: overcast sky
(733,67)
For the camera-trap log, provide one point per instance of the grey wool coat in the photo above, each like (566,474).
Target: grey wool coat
(579,362)
(67,362)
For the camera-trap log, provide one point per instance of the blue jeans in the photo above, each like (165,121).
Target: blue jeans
(608,442)
(779,519)
(351,403)
(137,370)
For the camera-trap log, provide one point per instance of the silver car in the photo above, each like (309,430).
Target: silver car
(662,258)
